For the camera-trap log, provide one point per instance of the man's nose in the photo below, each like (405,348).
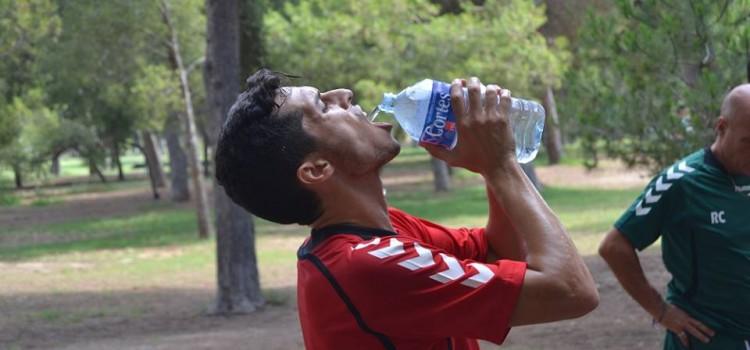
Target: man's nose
(341,97)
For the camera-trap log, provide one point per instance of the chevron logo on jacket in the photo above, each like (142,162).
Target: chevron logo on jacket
(662,184)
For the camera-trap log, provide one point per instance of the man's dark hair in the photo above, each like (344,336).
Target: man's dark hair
(259,151)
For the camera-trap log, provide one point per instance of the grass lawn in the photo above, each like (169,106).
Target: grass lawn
(71,167)
(587,213)
(44,196)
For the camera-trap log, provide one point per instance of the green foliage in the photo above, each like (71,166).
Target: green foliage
(333,43)
(36,126)
(190,21)
(498,42)
(8,199)
(44,201)
(101,51)
(26,27)
(86,74)
(42,133)
(374,45)
(9,124)
(637,64)
(103,69)
(155,94)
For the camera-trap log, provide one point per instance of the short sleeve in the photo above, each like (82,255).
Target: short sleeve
(645,219)
(464,243)
(411,289)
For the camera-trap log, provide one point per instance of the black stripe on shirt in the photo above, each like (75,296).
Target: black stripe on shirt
(387,343)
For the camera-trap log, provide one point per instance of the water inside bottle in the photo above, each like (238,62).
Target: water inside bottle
(373,114)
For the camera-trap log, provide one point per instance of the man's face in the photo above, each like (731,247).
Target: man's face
(344,134)
(734,141)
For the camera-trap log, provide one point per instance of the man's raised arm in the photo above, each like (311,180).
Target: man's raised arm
(557,284)
(505,242)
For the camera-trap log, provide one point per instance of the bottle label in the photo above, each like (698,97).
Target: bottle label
(440,123)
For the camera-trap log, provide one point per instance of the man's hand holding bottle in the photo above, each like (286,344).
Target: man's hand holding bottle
(485,139)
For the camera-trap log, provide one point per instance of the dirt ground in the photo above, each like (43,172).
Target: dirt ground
(175,318)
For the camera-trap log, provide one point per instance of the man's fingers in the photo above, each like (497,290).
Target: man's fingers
(457,98)
(682,336)
(681,324)
(505,99)
(708,331)
(697,333)
(475,97)
(490,98)
(437,151)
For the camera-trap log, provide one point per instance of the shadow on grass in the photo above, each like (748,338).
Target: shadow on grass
(143,318)
(153,228)
(157,227)
(584,212)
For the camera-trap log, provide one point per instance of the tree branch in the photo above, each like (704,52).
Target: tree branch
(723,11)
(195,64)
(742,18)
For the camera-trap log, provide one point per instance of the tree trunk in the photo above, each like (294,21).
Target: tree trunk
(690,72)
(153,160)
(178,162)
(528,169)
(152,180)
(199,188)
(552,137)
(203,131)
(94,170)
(55,167)
(441,175)
(238,278)
(18,176)
(118,163)
(251,37)
(206,162)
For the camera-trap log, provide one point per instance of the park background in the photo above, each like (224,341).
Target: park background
(113,234)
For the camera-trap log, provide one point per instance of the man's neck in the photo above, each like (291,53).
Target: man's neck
(357,202)
(720,156)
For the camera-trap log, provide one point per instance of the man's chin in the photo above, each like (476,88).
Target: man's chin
(396,149)
(388,154)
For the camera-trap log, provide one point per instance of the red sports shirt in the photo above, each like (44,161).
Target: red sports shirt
(422,287)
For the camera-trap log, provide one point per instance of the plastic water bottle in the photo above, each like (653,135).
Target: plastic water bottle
(424,111)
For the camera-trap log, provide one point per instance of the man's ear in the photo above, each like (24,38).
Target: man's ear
(721,125)
(314,170)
